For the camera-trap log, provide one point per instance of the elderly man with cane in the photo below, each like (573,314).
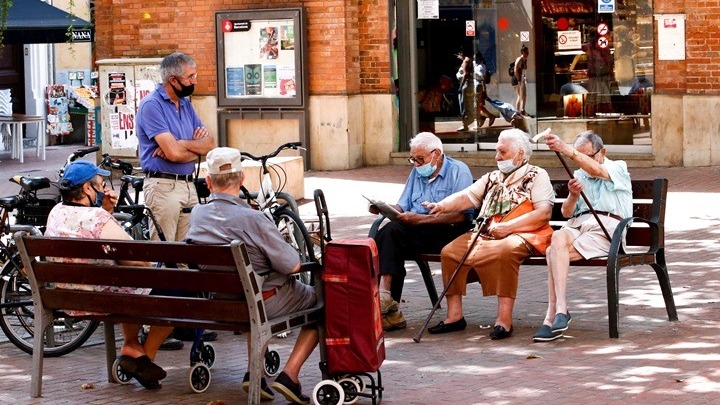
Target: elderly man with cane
(516,200)
(606,185)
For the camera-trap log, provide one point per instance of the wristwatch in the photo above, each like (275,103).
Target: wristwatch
(574,155)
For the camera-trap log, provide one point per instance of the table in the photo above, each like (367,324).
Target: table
(16,122)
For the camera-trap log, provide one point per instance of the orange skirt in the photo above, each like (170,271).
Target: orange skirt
(495,262)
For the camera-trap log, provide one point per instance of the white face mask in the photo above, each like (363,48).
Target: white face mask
(506,166)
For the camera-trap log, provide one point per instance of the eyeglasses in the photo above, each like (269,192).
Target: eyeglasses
(596,152)
(189,77)
(102,185)
(421,160)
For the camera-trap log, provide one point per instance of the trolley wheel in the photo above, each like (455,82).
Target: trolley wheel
(272,363)
(357,379)
(199,377)
(328,392)
(351,388)
(207,355)
(118,374)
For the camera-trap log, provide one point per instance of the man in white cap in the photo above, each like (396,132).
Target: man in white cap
(225,218)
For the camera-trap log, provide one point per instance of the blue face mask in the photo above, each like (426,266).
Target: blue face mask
(427,169)
(99,195)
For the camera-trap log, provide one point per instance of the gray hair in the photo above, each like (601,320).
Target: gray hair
(519,138)
(174,64)
(225,180)
(589,136)
(426,140)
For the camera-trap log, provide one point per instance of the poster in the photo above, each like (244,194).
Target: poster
(428,9)
(58,115)
(286,80)
(235,79)
(287,37)
(269,43)
(122,130)
(117,84)
(253,79)
(270,76)
(671,36)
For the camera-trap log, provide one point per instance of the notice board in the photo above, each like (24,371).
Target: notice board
(260,58)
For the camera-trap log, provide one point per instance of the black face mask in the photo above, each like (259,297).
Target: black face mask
(184,91)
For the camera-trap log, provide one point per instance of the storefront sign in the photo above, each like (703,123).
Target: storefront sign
(606,6)
(568,40)
(470,28)
(671,36)
(81,35)
(428,9)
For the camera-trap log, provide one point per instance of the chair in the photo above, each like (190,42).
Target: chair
(5,128)
(11,128)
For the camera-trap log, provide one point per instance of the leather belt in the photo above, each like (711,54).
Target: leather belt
(170,176)
(269,293)
(607,214)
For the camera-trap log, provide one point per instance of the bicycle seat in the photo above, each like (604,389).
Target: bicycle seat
(10,202)
(136,181)
(32,183)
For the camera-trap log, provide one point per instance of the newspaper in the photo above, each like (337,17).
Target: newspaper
(541,135)
(385,208)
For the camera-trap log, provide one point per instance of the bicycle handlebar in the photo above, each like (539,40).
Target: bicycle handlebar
(289,145)
(118,164)
(82,152)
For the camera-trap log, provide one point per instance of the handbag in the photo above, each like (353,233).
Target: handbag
(539,239)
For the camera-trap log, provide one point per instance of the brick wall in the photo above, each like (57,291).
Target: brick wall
(348,40)
(699,73)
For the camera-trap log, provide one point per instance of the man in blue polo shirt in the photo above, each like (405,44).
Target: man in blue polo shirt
(433,177)
(171,137)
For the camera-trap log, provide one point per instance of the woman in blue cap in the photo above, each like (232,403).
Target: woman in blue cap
(86,212)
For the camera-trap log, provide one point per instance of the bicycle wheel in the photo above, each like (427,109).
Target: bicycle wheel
(295,233)
(288,201)
(17,318)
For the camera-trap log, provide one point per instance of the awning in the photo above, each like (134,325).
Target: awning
(35,22)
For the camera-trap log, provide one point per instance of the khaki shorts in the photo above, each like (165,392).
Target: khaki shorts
(590,240)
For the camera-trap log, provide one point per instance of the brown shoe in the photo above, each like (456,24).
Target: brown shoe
(393,321)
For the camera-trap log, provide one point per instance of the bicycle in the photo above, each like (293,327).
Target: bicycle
(17,318)
(137,224)
(279,206)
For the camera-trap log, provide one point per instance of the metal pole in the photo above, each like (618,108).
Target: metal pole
(584,197)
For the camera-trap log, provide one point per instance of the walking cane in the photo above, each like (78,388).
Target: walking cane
(536,138)
(442,295)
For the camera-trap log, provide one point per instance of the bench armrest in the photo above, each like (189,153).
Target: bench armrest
(617,244)
(375,227)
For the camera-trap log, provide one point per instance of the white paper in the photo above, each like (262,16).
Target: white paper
(428,9)
(671,36)
(541,135)
(386,209)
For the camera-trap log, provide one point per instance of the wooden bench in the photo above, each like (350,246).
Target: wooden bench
(644,245)
(241,307)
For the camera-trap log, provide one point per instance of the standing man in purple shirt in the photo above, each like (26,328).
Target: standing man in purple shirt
(171,138)
(433,177)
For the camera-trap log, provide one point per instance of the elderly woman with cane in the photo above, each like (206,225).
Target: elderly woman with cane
(516,201)
(605,183)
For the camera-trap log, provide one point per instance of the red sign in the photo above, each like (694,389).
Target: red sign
(470,28)
(603,42)
(603,29)
(562,24)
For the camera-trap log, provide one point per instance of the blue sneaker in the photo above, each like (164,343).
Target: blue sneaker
(545,334)
(561,322)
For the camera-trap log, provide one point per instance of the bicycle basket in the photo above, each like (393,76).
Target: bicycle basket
(35,213)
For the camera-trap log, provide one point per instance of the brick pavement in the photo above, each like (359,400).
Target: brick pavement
(654,361)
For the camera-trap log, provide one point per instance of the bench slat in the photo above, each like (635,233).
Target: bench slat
(145,277)
(166,252)
(136,306)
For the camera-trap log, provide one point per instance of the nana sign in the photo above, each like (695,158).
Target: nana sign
(81,35)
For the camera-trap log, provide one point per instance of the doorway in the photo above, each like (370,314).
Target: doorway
(12,75)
